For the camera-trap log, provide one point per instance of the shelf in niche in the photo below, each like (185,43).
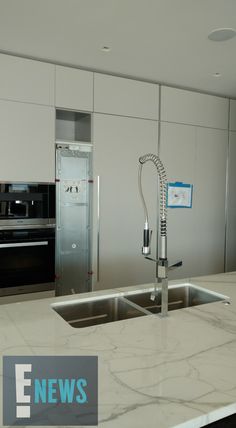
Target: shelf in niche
(73,127)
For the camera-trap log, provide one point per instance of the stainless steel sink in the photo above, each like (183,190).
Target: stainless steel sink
(97,311)
(182,296)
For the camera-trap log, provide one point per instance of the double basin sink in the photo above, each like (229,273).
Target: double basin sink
(100,310)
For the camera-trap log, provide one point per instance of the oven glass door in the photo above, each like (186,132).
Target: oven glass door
(28,260)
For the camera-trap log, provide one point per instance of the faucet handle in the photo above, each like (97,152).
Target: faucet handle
(175,265)
(152,260)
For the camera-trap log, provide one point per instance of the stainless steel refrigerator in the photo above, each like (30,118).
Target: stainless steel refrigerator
(73,218)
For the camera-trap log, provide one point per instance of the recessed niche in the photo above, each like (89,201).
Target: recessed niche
(73,126)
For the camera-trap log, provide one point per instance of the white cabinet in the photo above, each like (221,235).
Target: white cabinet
(118,144)
(197,156)
(193,108)
(232,121)
(26,80)
(74,89)
(231,207)
(211,160)
(126,97)
(27,142)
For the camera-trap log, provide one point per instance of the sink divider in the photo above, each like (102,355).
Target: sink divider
(135,306)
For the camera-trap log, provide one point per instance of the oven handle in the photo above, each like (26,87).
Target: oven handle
(24,244)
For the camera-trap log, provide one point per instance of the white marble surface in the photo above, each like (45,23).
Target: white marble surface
(174,372)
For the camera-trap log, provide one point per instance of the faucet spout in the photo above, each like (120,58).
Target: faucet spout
(161,256)
(163,210)
(161,261)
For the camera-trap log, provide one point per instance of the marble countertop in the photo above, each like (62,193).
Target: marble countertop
(178,371)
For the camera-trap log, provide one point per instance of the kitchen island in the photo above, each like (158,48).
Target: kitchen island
(178,371)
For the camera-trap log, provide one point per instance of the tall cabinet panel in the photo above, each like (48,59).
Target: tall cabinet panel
(211,160)
(197,156)
(232,120)
(119,218)
(178,153)
(194,142)
(231,196)
(27,136)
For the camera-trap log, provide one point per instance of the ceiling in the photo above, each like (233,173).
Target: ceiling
(156,40)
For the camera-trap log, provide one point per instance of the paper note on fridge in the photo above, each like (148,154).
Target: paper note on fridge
(179,195)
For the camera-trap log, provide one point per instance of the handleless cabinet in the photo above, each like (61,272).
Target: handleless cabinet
(231,206)
(27,135)
(193,108)
(25,80)
(125,97)
(74,89)
(118,212)
(196,155)
(232,121)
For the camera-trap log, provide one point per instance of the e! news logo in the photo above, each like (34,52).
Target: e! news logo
(50,391)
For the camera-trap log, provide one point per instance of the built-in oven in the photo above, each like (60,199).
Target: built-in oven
(27,260)
(27,238)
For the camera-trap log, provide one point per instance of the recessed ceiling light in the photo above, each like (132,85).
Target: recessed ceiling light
(222,34)
(217,74)
(105,48)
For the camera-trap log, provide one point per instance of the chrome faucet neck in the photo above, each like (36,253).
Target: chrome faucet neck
(162,267)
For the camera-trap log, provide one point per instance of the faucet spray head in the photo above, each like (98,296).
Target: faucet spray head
(147,234)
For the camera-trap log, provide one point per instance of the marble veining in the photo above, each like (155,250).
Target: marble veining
(175,372)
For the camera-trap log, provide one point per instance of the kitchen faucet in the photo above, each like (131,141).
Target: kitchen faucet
(161,261)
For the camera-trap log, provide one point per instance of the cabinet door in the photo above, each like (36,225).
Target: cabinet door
(211,160)
(231,207)
(26,80)
(27,142)
(193,108)
(74,89)
(232,121)
(126,97)
(118,144)
(197,156)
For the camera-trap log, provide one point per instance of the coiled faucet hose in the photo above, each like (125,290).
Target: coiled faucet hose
(163,186)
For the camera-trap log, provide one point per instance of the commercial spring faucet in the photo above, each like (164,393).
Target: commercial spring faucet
(161,261)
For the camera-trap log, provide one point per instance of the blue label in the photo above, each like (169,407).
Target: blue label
(179,195)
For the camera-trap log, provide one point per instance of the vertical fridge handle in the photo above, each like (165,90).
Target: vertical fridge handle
(98,228)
